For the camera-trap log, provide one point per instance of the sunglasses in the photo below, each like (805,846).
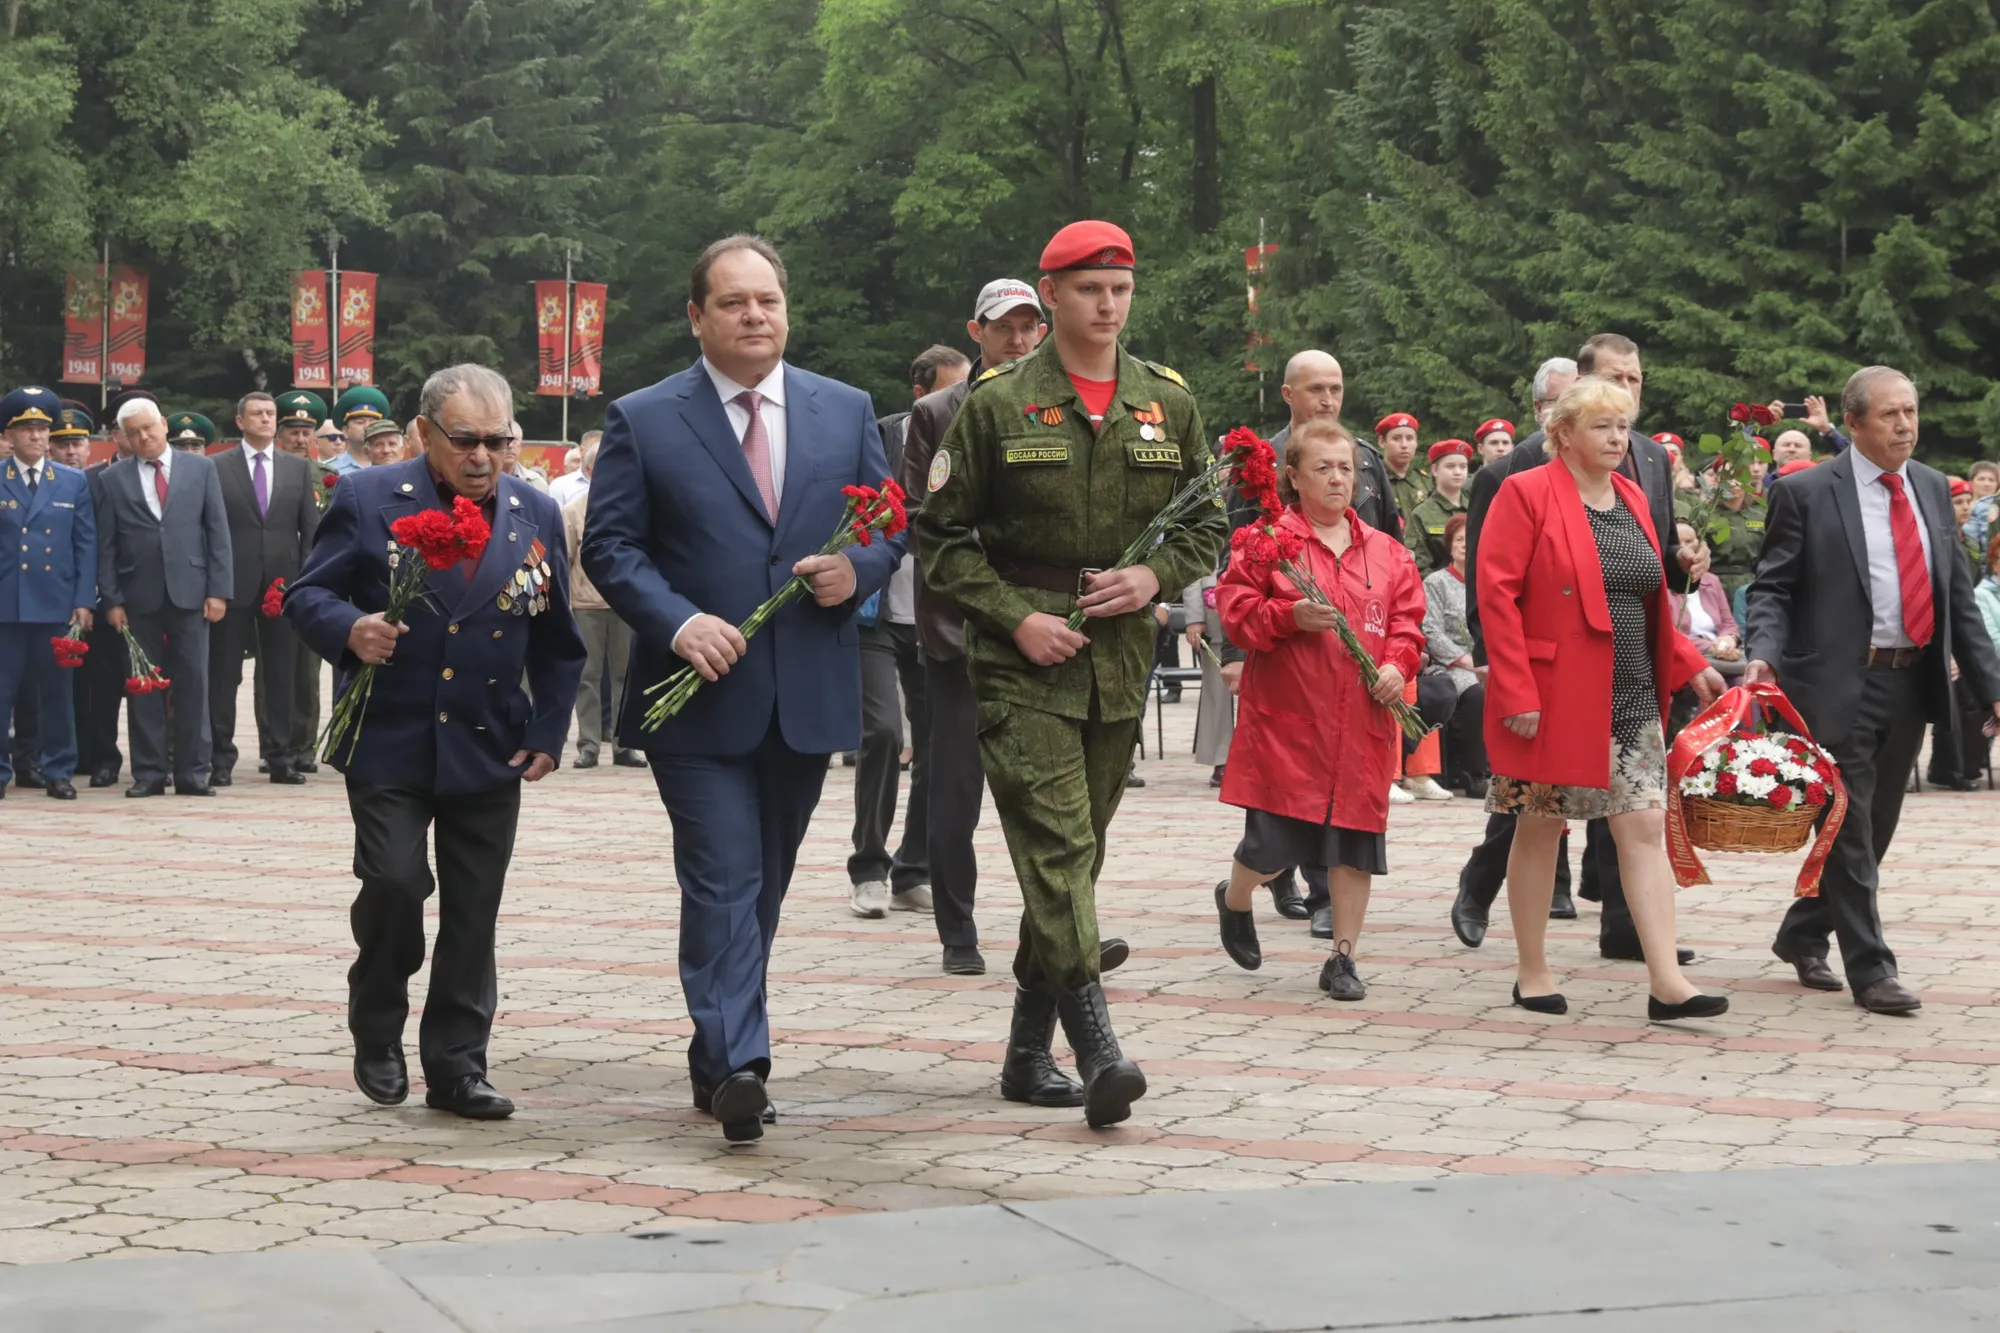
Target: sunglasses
(465,444)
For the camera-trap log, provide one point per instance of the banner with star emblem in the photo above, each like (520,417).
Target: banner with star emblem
(83,327)
(586,348)
(572,365)
(549,357)
(310,362)
(126,349)
(357,329)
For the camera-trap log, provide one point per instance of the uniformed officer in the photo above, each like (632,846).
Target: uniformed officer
(1423,532)
(1396,437)
(1054,464)
(353,412)
(299,415)
(449,734)
(46,516)
(191,431)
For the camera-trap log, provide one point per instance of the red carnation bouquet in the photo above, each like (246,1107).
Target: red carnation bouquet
(868,512)
(1263,544)
(69,646)
(273,605)
(1202,492)
(428,539)
(145,678)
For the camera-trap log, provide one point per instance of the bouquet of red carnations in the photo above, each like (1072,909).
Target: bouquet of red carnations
(70,649)
(145,678)
(868,512)
(1192,497)
(1253,471)
(273,605)
(428,539)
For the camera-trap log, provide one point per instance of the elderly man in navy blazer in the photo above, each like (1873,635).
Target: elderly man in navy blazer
(45,516)
(712,489)
(449,735)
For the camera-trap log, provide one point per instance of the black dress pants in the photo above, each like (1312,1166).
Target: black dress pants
(1465,736)
(475,842)
(99,691)
(276,647)
(889,654)
(1875,758)
(957,787)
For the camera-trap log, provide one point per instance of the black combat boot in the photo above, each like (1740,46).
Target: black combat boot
(1029,1073)
(1111,1083)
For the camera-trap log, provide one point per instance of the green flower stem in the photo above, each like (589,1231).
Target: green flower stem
(406,589)
(1407,718)
(1203,490)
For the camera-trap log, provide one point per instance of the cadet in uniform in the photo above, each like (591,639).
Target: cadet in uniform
(1423,532)
(299,415)
(1396,437)
(191,431)
(46,516)
(1053,465)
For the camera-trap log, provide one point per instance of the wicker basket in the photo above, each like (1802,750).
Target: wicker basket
(1721,826)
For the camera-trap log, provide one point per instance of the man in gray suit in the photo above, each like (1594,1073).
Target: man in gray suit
(267,494)
(164,570)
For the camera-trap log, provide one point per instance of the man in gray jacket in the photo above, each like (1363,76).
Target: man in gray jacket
(164,571)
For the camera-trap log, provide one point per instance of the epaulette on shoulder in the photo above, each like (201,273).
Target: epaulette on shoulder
(1165,372)
(992,372)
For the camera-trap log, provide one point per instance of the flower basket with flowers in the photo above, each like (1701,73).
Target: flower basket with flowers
(868,512)
(428,539)
(70,649)
(1736,785)
(1253,471)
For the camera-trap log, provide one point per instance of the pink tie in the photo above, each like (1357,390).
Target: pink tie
(757,452)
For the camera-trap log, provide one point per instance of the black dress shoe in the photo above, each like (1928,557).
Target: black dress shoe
(628,759)
(285,775)
(964,960)
(585,761)
(381,1074)
(104,777)
(307,765)
(156,787)
(1562,907)
(704,1098)
(1468,918)
(472,1097)
(1286,898)
(221,778)
(1553,1003)
(1888,996)
(263,766)
(1239,932)
(1625,949)
(192,787)
(740,1102)
(1322,922)
(1695,1006)
(1111,955)
(30,776)
(1475,788)
(1813,972)
(62,789)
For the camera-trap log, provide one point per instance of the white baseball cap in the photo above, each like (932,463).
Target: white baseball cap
(1003,294)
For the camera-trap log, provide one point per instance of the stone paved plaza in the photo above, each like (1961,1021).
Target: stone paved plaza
(174,1061)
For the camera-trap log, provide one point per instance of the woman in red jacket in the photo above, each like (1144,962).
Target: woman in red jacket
(1581,646)
(1315,749)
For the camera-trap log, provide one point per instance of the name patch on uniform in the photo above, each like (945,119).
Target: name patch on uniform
(1036,453)
(1157,455)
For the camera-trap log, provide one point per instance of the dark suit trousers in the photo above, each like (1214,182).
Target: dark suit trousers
(475,842)
(276,646)
(303,736)
(738,822)
(35,690)
(100,690)
(957,787)
(889,653)
(1875,760)
(177,643)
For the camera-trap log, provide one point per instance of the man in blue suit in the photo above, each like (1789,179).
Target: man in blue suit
(45,514)
(712,489)
(449,734)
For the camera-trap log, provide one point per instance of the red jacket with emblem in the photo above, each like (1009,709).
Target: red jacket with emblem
(1310,744)
(1547,624)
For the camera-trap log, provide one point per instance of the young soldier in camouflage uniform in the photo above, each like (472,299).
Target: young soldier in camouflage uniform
(1053,465)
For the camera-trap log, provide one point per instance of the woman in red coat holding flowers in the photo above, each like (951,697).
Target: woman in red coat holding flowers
(1583,657)
(1315,747)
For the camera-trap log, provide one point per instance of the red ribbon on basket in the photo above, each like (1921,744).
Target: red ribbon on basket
(1710,727)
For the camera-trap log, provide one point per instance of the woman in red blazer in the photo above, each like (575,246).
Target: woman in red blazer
(1583,657)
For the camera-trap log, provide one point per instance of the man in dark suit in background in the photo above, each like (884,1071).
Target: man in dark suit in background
(267,494)
(1614,357)
(713,488)
(164,568)
(1860,606)
(100,681)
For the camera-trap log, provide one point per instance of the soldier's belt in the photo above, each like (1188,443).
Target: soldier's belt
(1065,579)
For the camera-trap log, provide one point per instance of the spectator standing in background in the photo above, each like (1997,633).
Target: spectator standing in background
(607,640)
(1215,715)
(1495,438)
(1396,434)
(1985,480)
(575,479)
(512,465)
(1448,656)
(1423,531)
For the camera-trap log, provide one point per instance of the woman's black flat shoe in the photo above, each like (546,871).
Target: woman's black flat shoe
(1698,1006)
(1239,933)
(1542,1004)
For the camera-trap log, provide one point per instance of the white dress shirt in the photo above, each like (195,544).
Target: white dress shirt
(771,411)
(146,487)
(1885,584)
(567,487)
(269,455)
(34,474)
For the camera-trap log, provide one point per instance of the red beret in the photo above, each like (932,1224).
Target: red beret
(1800,465)
(1492,424)
(1960,486)
(1395,421)
(1088,245)
(1671,440)
(1446,448)
(1761,443)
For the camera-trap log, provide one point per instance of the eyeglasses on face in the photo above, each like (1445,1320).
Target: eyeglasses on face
(465,444)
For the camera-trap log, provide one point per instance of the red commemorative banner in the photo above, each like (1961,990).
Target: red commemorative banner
(127,350)
(586,349)
(83,328)
(309,330)
(357,329)
(549,371)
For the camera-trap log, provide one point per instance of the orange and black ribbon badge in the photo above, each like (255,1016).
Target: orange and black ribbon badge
(1052,416)
(1152,415)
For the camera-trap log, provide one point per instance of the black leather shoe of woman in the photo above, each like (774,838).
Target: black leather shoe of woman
(1543,1004)
(1239,932)
(1695,1006)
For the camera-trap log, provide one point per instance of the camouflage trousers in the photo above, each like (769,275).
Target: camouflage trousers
(1056,783)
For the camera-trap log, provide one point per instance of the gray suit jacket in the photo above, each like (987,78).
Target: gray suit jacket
(1811,615)
(147,564)
(271,545)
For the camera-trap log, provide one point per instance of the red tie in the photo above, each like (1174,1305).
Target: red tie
(1919,614)
(160,484)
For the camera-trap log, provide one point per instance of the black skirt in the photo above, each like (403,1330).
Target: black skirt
(1273,842)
